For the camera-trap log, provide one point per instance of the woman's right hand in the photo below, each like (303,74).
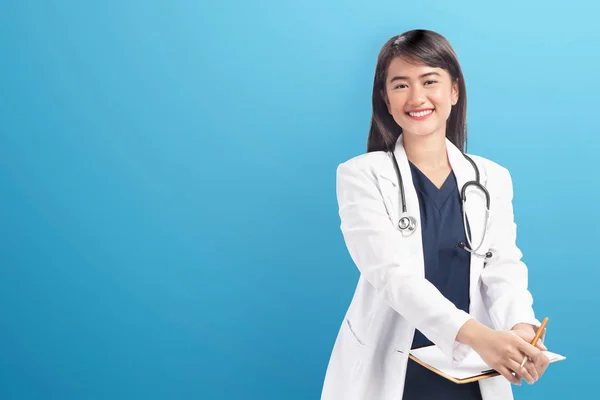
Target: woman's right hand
(501,350)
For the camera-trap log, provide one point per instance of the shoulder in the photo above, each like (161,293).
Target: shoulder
(498,180)
(367,163)
(361,174)
(493,170)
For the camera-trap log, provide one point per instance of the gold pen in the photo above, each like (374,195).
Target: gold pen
(538,334)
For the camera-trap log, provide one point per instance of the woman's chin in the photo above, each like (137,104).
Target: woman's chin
(422,133)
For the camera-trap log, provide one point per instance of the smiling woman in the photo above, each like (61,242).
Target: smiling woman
(418,94)
(435,268)
(417,71)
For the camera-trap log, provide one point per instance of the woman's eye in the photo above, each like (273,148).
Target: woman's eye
(400,86)
(430,82)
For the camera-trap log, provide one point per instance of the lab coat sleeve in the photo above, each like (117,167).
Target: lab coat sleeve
(505,276)
(376,247)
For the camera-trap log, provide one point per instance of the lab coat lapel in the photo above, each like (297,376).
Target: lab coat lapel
(475,207)
(391,193)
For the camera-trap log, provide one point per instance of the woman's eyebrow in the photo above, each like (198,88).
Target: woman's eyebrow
(397,78)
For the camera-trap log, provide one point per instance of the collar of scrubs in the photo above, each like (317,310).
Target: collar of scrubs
(437,196)
(462,168)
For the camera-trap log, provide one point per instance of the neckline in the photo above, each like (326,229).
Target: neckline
(437,195)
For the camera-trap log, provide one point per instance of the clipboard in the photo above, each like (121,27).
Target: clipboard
(471,369)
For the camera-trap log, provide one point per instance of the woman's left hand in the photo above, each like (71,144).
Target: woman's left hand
(538,366)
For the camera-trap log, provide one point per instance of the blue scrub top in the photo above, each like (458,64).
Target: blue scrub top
(446,266)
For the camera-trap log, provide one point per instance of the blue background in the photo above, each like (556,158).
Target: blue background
(168,220)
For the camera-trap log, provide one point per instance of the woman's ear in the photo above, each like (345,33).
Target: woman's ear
(455,93)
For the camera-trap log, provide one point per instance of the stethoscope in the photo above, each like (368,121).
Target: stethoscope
(408,224)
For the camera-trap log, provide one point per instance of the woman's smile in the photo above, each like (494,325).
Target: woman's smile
(420,115)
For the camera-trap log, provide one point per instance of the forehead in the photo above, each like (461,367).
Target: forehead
(411,69)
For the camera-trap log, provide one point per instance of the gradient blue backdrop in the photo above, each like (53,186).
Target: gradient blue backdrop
(168,221)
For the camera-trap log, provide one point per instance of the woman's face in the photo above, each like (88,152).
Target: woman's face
(419,97)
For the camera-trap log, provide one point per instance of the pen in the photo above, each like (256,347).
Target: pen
(537,337)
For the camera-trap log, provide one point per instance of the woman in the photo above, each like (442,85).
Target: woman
(425,278)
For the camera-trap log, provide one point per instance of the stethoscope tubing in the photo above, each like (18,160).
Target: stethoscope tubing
(407,223)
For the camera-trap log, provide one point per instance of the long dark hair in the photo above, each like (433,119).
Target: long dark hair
(431,49)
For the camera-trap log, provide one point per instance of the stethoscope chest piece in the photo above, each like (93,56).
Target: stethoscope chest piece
(407,225)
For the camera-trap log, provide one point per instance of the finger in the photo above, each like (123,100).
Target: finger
(524,371)
(505,372)
(540,368)
(542,364)
(532,369)
(525,335)
(517,356)
(532,352)
(541,346)
(532,374)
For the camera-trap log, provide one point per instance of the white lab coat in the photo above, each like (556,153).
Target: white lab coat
(392,296)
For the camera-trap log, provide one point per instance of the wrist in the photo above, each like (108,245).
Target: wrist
(523,327)
(471,332)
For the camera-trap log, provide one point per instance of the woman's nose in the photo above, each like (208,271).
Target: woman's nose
(417,96)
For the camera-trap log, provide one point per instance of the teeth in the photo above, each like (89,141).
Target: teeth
(420,113)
